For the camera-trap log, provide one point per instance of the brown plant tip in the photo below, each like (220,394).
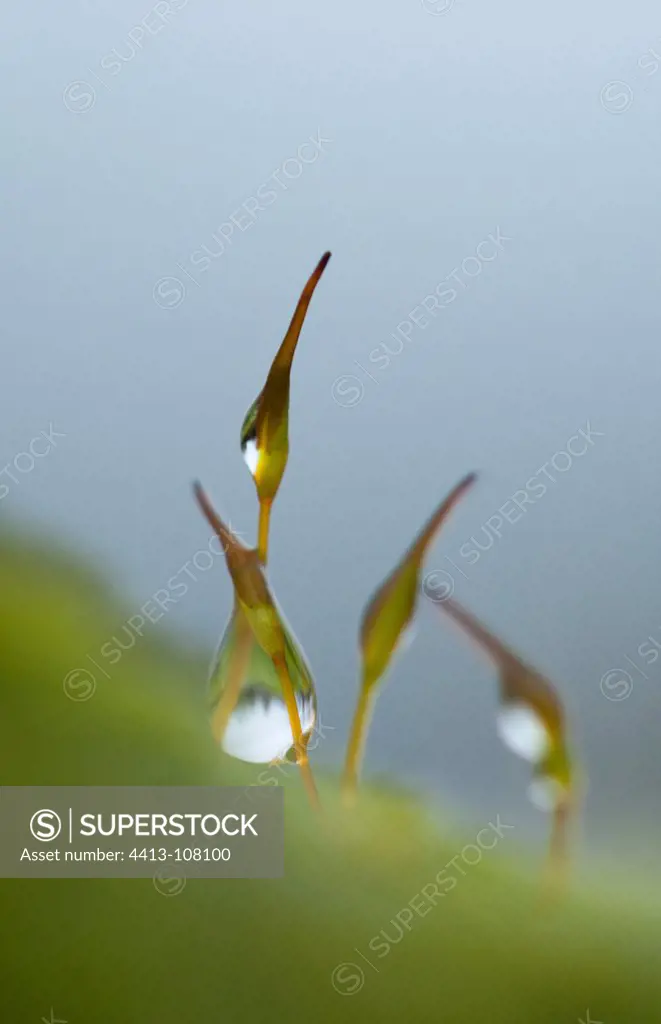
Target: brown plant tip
(214,520)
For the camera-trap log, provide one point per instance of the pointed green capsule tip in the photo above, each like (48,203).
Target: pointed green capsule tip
(231,543)
(385,624)
(391,608)
(264,431)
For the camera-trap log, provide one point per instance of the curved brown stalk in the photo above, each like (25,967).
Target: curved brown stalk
(356,746)
(300,743)
(263,529)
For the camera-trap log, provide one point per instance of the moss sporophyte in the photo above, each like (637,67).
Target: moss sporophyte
(263,699)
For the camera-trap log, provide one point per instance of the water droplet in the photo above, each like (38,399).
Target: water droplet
(522,730)
(258,729)
(546,792)
(251,455)
(406,638)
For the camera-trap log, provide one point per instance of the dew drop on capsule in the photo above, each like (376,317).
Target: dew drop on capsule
(251,455)
(546,793)
(406,638)
(522,730)
(258,728)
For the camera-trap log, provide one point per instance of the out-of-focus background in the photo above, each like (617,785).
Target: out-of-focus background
(171,176)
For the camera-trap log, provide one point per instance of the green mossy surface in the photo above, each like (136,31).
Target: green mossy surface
(235,951)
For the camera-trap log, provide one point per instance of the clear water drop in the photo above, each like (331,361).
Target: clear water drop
(251,455)
(522,730)
(258,728)
(546,792)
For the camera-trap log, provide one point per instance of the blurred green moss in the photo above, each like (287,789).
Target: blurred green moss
(258,951)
